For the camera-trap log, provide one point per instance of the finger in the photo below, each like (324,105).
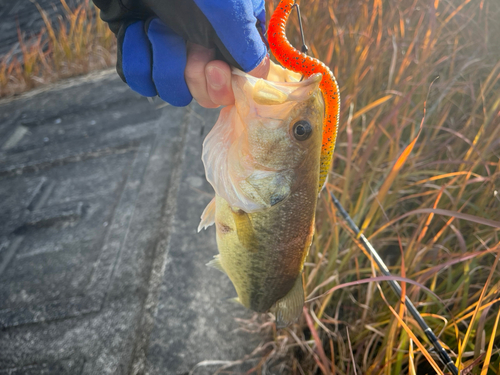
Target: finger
(134,59)
(262,70)
(197,59)
(218,74)
(169,63)
(219,80)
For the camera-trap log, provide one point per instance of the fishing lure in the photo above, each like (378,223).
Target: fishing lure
(299,62)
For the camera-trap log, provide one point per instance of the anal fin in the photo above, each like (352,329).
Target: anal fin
(208,216)
(215,263)
(288,309)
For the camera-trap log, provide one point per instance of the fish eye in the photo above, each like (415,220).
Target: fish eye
(302,130)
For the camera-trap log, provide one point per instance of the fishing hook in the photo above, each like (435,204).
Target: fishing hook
(304,48)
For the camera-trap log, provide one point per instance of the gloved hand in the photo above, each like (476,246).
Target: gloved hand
(173,48)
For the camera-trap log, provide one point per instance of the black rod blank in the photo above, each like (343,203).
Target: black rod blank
(443,355)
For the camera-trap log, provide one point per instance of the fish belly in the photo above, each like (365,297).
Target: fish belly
(263,253)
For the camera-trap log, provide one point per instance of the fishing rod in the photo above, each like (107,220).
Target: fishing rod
(443,355)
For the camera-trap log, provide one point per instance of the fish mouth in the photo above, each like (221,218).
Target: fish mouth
(283,77)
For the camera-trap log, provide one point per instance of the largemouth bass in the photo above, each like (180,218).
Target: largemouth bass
(262,158)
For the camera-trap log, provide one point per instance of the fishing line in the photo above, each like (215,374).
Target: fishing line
(443,355)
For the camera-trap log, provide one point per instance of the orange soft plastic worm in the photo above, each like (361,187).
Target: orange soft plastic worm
(299,62)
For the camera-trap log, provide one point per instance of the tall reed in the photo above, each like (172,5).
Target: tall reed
(77,43)
(426,191)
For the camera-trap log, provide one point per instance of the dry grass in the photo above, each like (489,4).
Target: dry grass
(81,42)
(426,211)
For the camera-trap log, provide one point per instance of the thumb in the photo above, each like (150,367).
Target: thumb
(262,70)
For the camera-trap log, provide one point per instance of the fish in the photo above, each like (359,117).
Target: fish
(262,159)
(268,158)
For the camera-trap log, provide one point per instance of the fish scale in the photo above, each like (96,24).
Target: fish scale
(293,59)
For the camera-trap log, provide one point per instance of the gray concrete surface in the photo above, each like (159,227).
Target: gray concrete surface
(101,268)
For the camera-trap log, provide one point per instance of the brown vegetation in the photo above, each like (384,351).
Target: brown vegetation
(429,199)
(426,193)
(81,42)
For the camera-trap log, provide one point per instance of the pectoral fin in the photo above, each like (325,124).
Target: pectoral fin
(208,216)
(288,309)
(245,230)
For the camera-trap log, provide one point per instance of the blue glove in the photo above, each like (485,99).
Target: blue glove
(152,36)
